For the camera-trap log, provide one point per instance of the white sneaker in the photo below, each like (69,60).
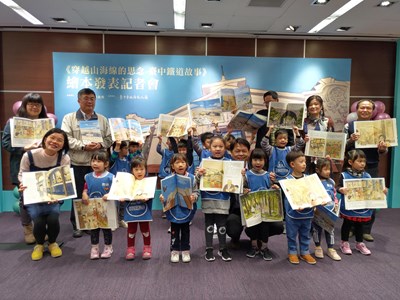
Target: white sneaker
(169,229)
(123,224)
(186,256)
(174,256)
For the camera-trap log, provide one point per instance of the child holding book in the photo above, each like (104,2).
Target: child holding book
(138,169)
(257,179)
(186,147)
(298,222)
(277,154)
(354,168)
(45,216)
(166,154)
(97,185)
(120,162)
(215,206)
(180,216)
(202,147)
(323,169)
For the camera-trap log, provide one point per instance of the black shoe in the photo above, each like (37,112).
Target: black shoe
(252,253)
(209,254)
(225,254)
(266,254)
(77,233)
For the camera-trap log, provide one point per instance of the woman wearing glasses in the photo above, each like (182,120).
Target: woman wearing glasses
(32,107)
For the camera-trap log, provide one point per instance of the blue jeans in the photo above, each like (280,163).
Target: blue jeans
(300,227)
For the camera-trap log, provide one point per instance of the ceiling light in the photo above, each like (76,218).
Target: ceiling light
(341,11)
(341,29)
(319,2)
(22,12)
(60,20)
(179,14)
(206,25)
(151,24)
(292,28)
(385,4)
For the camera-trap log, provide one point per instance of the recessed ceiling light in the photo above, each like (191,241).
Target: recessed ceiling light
(206,25)
(292,28)
(60,20)
(385,4)
(341,29)
(151,24)
(319,2)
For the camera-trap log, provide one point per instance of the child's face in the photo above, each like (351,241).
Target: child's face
(217,148)
(207,143)
(325,172)
(358,164)
(258,163)
(98,166)
(299,164)
(314,108)
(139,172)
(123,152)
(179,167)
(133,148)
(182,150)
(281,140)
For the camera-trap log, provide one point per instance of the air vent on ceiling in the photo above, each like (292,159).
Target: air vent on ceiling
(266,3)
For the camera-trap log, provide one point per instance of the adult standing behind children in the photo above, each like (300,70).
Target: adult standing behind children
(365,109)
(81,153)
(32,107)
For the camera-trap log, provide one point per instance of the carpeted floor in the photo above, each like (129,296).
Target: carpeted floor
(75,276)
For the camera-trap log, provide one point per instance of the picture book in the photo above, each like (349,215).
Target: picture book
(286,115)
(126,130)
(90,132)
(247,121)
(96,214)
(26,131)
(324,143)
(43,186)
(261,206)
(222,176)
(365,193)
(164,124)
(236,98)
(206,112)
(373,132)
(125,186)
(179,127)
(304,192)
(176,190)
(138,211)
(325,216)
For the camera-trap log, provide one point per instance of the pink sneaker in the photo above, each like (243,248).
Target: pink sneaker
(94,252)
(108,250)
(146,252)
(345,248)
(130,253)
(363,249)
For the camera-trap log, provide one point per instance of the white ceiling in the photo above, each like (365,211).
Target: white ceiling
(229,17)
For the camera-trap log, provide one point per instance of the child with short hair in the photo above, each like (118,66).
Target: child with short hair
(134,149)
(186,147)
(277,153)
(298,222)
(180,216)
(138,169)
(323,170)
(354,168)
(97,185)
(215,206)
(257,179)
(202,150)
(166,154)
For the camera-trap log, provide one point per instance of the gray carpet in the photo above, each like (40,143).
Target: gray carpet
(75,276)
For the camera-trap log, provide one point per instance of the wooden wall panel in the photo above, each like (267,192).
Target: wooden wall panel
(167,45)
(129,44)
(280,48)
(372,67)
(230,46)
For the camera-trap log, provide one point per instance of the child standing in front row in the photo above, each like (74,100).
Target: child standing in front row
(298,222)
(138,169)
(97,185)
(180,216)
(257,179)
(354,165)
(215,206)
(323,169)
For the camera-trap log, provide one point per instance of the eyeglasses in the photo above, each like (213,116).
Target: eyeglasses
(33,104)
